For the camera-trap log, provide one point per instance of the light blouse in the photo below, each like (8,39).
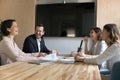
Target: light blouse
(10,52)
(111,55)
(98,48)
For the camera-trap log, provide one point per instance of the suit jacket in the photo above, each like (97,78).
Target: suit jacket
(30,45)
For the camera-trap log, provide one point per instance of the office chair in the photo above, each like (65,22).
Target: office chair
(0,61)
(115,75)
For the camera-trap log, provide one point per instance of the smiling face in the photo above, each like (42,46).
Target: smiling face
(39,31)
(110,34)
(93,35)
(105,35)
(14,29)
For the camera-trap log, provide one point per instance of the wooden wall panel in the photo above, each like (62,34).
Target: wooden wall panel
(108,11)
(24,12)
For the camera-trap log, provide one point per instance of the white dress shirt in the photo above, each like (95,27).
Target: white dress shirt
(38,42)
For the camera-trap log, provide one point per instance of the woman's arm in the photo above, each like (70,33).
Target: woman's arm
(108,54)
(14,53)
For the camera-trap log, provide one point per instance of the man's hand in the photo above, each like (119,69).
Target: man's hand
(54,52)
(41,54)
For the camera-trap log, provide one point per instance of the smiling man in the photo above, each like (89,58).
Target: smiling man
(35,42)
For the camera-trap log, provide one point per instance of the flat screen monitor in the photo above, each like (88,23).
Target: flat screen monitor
(70,19)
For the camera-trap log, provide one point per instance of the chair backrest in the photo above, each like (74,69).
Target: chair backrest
(0,61)
(115,75)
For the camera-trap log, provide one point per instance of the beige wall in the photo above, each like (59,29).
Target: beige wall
(108,11)
(24,12)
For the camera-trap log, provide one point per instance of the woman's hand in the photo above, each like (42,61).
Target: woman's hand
(86,40)
(78,58)
(80,54)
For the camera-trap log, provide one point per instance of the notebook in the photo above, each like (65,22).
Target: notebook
(47,59)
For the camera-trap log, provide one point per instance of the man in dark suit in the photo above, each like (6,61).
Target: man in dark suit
(35,42)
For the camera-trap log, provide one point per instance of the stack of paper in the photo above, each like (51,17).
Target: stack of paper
(67,60)
(47,59)
(51,57)
(54,58)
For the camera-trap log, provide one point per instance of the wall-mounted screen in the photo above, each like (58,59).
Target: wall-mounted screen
(70,19)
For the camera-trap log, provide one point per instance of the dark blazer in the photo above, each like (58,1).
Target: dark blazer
(30,45)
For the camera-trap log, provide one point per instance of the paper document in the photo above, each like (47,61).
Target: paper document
(51,57)
(67,60)
(47,59)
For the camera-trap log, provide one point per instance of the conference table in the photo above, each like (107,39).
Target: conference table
(49,71)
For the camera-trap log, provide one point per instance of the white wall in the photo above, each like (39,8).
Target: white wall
(65,44)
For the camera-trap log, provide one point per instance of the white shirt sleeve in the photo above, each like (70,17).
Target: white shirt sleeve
(108,54)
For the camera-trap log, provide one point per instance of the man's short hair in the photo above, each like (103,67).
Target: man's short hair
(39,25)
